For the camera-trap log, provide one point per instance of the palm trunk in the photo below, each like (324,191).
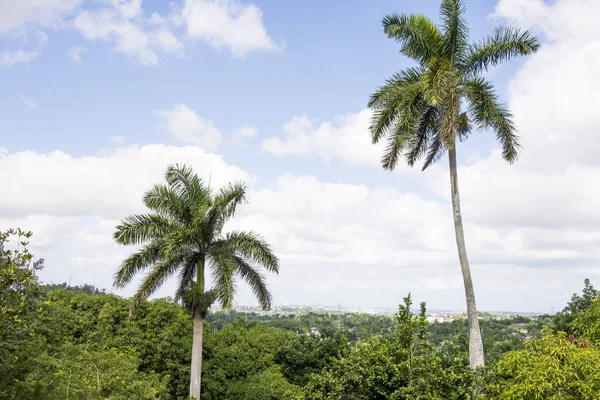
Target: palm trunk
(196,373)
(196,357)
(476,356)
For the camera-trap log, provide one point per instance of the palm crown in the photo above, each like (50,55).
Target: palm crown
(420,110)
(184,234)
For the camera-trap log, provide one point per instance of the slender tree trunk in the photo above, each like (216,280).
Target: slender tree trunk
(196,357)
(476,356)
(196,373)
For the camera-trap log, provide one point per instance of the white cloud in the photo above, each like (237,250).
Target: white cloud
(87,186)
(75,53)
(166,41)
(379,242)
(243,133)
(346,138)
(129,38)
(558,119)
(246,131)
(228,24)
(189,128)
(8,58)
(19,14)
(122,22)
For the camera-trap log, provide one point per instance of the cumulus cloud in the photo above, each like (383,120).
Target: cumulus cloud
(85,186)
(243,133)
(189,128)
(366,246)
(346,138)
(122,22)
(8,58)
(16,15)
(555,96)
(351,239)
(228,24)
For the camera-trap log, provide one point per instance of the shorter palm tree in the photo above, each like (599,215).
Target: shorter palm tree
(183,236)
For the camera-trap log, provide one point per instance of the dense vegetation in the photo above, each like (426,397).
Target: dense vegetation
(61,342)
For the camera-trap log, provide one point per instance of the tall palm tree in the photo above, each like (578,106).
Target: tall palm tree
(183,235)
(424,110)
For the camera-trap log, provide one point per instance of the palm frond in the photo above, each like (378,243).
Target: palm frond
(456,30)
(154,280)
(210,219)
(185,182)
(223,267)
(505,44)
(437,81)
(179,242)
(419,37)
(464,126)
(140,228)
(256,281)
(167,202)
(187,276)
(485,110)
(436,151)
(147,256)
(387,101)
(425,129)
(229,197)
(250,246)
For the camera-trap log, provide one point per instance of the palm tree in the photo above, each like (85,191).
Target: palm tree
(183,235)
(422,111)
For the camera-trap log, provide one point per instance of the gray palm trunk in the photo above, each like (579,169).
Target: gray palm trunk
(196,357)
(196,370)
(476,357)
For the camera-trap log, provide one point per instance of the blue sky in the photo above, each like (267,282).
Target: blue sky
(92,102)
(335,55)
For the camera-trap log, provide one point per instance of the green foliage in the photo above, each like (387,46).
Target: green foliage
(403,366)
(308,354)
(549,368)
(159,333)
(85,288)
(20,306)
(268,384)
(586,324)
(78,372)
(19,287)
(354,326)
(563,320)
(500,335)
(234,355)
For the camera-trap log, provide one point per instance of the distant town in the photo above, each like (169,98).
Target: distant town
(433,315)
